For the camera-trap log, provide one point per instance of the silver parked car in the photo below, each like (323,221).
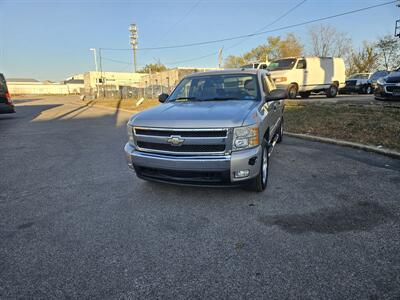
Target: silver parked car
(216,128)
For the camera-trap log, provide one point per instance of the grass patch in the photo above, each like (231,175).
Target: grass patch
(370,125)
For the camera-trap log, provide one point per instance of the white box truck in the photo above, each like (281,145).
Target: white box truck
(303,75)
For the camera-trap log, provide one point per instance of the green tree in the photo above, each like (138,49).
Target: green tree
(274,48)
(233,61)
(389,52)
(153,68)
(364,60)
(290,46)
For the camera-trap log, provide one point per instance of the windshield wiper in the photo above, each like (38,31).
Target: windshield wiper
(185,98)
(220,98)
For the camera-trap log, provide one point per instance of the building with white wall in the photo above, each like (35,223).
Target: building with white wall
(28,86)
(111,80)
(165,81)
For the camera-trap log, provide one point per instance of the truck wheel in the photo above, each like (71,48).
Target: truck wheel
(280,132)
(292,91)
(304,95)
(332,91)
(260,182)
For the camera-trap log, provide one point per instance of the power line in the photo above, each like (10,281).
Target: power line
(192,59)
(117,61)
(257,33)
(269,24)
(185,15)
(282,16)
(215,53)
(167,63)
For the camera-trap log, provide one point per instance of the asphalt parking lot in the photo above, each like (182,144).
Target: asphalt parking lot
(76,223)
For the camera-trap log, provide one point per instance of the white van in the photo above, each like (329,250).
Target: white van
(303,75)
(255,65)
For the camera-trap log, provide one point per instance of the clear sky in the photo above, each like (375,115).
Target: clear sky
(50,39)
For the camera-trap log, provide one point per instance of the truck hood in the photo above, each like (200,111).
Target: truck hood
(281,73)
(200,114)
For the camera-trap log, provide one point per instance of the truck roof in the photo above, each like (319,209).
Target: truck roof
(228,71)
(307,57)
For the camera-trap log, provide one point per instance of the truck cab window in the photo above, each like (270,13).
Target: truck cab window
(301,64)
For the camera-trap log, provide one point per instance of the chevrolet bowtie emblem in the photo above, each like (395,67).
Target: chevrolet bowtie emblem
(175,140)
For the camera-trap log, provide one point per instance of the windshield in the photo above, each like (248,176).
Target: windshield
(359,76)
(282,64)
(250,66)
(217,87)
(378,75)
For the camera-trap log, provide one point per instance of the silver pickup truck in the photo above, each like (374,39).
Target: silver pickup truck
(216,128)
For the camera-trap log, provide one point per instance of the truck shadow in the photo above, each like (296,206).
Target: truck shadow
(360,216)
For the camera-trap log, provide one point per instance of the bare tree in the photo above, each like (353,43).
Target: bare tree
(364,60)
(389,52)
(327,41)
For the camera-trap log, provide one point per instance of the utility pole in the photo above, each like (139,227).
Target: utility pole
(397,26)
(95,57)
(151,83)
(134,42)
(220,57)
(101,75)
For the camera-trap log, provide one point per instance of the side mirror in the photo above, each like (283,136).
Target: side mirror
(162,97)
(278,94)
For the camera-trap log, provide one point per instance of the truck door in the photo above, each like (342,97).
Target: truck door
(272,110)
(302,74)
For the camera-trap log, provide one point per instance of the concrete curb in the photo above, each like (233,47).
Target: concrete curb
(382,151)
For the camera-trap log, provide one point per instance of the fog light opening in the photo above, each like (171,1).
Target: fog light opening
(242,173)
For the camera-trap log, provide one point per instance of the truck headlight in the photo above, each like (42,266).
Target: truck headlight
(129,128)
(381,81)
(280,79)
(245,137)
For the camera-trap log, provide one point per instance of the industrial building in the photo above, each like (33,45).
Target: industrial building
(111,80)
(29,86)
(165,81)
(104,83)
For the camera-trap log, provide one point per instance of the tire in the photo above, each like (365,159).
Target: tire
(280,132)
(332,91)
(363,90)
(304,95)
(259,183)
(292,91)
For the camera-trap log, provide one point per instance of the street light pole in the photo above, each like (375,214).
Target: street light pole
(397,26)
(101,75)
(95,57)
(220,57)
(134,42)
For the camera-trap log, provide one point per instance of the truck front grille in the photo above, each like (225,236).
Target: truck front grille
(182,141)
(152,132)
(393,89)
(183,148)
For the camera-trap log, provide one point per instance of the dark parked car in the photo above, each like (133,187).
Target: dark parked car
(388,88)
(356,83)
(372,81)
(6,105)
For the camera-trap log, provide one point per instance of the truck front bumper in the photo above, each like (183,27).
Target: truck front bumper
(195,170)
